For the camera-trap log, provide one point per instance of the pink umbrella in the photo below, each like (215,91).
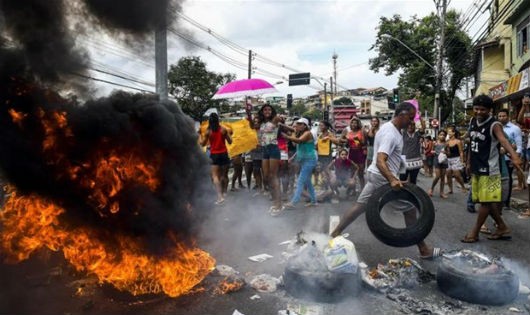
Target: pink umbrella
(415,103)
(246,87)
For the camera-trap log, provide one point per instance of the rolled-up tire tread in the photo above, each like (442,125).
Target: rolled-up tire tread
(400,237)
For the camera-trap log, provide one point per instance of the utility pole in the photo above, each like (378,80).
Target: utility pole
(335,56)
(331,89)
(325,97)
(439,63)
(249,64)
(161,60)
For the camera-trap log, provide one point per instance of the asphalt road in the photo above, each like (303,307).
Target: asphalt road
(242,228)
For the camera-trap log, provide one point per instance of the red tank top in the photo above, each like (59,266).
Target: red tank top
(217,142)
(355,139)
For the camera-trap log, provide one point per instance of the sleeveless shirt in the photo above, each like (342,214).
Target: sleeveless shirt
(484,147)
(217,142)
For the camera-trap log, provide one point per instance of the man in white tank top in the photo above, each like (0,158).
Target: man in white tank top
(388,146)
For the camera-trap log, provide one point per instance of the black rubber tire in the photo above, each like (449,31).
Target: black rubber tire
(326,287)
(487,289)
(400,237)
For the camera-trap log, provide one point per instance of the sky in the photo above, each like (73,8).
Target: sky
(301,35)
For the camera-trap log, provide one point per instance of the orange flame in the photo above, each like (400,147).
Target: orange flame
(229,285)
(17,117)
(30,223)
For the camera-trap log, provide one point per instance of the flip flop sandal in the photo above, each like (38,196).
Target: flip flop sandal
(468,239)
(275,211)
(485,230)
(499,237)
(220,202)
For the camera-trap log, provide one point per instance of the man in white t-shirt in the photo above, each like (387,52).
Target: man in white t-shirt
(388,145)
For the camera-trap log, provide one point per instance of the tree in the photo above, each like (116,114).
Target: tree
(417,79)
(298,109)
(193,85)
(343,101)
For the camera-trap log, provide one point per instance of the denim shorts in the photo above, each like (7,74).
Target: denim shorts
(271,152)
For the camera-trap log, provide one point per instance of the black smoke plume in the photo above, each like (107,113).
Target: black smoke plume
(34,54)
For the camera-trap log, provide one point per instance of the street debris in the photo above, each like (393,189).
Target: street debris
(230,284)
(265,283)
(334,220)
(323,269)
(255,297)
(515,310)
(226,271)
(236,312)
(397,273)
(340,255)
(260,257)
(302,309)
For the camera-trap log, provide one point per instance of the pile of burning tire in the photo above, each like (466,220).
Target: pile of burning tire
(307,276)
(473,277)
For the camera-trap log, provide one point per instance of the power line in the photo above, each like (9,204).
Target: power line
(112,83)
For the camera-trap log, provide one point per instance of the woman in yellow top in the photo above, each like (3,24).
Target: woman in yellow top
(324,141)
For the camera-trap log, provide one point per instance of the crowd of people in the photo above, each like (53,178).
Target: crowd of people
(291,159)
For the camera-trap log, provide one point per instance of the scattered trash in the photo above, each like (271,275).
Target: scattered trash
(265,283)
(333,222)
(341,256)
(236,312)
(260,257)
(285,243)
(230,284)
(255,297)
(397,273)
(515,310)
(226,271)
(307,276)
(305,309)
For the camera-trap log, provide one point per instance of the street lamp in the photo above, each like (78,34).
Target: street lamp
(410,49)
(438,83)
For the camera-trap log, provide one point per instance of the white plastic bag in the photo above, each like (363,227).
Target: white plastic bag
(341,256)
(442,158)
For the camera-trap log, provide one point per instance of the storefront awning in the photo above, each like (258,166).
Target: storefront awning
(511,89)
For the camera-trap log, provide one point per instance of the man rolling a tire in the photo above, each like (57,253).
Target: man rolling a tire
(388,146)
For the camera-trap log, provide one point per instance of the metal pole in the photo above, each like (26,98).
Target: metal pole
(438,88)
(161,61)
(325,97)
(249,64)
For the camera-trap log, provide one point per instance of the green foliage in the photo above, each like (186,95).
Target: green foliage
(314,114)
(193,86)
(421,35)
(342,101)
(298,109)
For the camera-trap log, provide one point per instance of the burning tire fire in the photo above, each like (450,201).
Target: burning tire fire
(307,276)
(475,278)
(416,230)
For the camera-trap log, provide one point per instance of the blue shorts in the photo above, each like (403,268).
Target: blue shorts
(271,152)
(527,154)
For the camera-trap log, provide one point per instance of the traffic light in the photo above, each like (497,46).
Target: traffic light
(326,115)
(289,100)
(395,96)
